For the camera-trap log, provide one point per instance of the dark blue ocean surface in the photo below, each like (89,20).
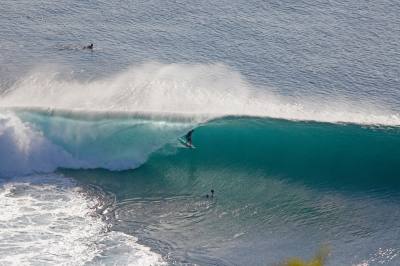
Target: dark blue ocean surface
(296,111)
(330,49)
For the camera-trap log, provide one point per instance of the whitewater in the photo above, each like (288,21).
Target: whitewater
(49,122)
(296,115)
(135,121)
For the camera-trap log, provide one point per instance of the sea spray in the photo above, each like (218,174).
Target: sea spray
(211,90)
(24,149)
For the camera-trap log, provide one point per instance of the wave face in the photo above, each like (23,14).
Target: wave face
(282,188)
(272,176)
(300,149)
(49,121)
(44,142)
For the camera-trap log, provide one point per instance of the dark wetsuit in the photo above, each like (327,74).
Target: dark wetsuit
(90,47)
(188,136)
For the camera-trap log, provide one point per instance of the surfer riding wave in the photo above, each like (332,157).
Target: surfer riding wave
(188,137)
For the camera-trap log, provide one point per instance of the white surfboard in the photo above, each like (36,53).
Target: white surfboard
(186,144)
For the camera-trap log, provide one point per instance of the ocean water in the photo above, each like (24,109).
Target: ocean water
(296,111)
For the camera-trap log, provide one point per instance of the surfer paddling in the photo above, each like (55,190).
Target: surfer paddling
(90,47)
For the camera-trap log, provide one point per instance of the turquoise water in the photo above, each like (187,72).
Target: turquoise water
(282,188)
(296,111)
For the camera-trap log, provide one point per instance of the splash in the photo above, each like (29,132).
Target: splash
(32,142)
(25,150)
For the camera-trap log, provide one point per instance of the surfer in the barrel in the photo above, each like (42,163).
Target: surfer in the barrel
(188,137)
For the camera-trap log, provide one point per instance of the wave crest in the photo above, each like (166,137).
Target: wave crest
(25,150)
(197,89)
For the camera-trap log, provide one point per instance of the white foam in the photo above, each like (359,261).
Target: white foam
(185,89)
(25,150)
(47,143)
(49,220)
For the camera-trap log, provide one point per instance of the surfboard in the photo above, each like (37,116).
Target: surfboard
(186,144)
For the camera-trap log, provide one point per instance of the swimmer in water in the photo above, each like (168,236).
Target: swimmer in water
(90,47)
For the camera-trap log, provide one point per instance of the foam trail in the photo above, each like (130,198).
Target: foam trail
(49,219)
(198,90)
